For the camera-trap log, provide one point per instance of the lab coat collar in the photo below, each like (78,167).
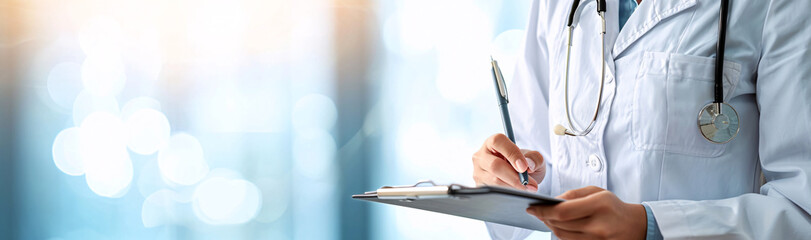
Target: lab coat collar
(647,15)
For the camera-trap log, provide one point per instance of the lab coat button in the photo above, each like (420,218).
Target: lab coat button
(594,163)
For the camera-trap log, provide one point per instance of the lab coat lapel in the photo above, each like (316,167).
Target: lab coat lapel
(646,16)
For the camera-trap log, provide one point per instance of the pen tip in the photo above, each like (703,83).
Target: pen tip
(491,58)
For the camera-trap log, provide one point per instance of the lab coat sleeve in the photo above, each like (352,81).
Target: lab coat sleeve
(781,210)
(529,108)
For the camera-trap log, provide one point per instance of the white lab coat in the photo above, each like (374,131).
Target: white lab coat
(646,146)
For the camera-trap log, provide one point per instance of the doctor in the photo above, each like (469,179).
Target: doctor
(644,170)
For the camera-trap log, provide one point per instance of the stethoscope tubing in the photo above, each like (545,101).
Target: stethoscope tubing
(572,131)
(720,46)
(718,100)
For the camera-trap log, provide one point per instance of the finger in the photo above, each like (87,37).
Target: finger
(578,225)
(567,234)
(571,209)
(503,170)
(534,211)
(580,192)
(537,176)
(499,168)
(495,181)
(534,160)
(502,145)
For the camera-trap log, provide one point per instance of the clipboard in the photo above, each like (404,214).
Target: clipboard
(487,203)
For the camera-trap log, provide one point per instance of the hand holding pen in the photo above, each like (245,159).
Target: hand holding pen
(500,162)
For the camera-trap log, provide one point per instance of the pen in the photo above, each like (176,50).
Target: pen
(501,93)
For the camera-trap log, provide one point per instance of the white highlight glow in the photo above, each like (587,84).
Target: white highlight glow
(145,64)
(161,208)
(100,33)
(86,103)
(135,104)
(149,131)
(314,111)
(314,153)
(422,150)
(408,33)
(65,83)
(103,147)
(181,161)
(103,73)
(463,54)
(217,28)
(224,173)
(66,152)
(222,201)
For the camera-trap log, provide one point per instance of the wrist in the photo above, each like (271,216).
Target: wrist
(639,222)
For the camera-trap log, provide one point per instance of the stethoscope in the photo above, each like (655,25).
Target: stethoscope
(717,121)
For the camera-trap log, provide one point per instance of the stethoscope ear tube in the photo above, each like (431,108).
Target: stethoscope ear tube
(600,6)
(575,4)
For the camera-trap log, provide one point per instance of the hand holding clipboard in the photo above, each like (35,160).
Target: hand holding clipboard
(487,203)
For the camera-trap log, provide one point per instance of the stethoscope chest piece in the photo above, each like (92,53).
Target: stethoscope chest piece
(718,125)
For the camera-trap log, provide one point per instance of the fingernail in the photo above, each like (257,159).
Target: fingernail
(521,165)
(531,164)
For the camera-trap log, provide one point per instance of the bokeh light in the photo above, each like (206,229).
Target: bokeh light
(221,201)
(149,131)
(65,83)
(139,103)
(86,103)
(181,161)
(463,54)
(103,73)
(411,30)
(217,27)
(101,33)
(103,146)
(66,153)
(256,94)
(103,70)
(144,65)
(161,208)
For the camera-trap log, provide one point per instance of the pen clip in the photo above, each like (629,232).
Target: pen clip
(502,86)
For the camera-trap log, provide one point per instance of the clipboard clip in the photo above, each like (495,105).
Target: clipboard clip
(420,190)
(421,182)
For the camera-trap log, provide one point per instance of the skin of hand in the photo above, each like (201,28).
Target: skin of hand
(499,161)
(593,213)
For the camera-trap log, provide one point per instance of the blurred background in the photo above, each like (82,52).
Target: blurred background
(243,119)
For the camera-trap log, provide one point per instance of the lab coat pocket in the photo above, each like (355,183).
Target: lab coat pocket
(670,90)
